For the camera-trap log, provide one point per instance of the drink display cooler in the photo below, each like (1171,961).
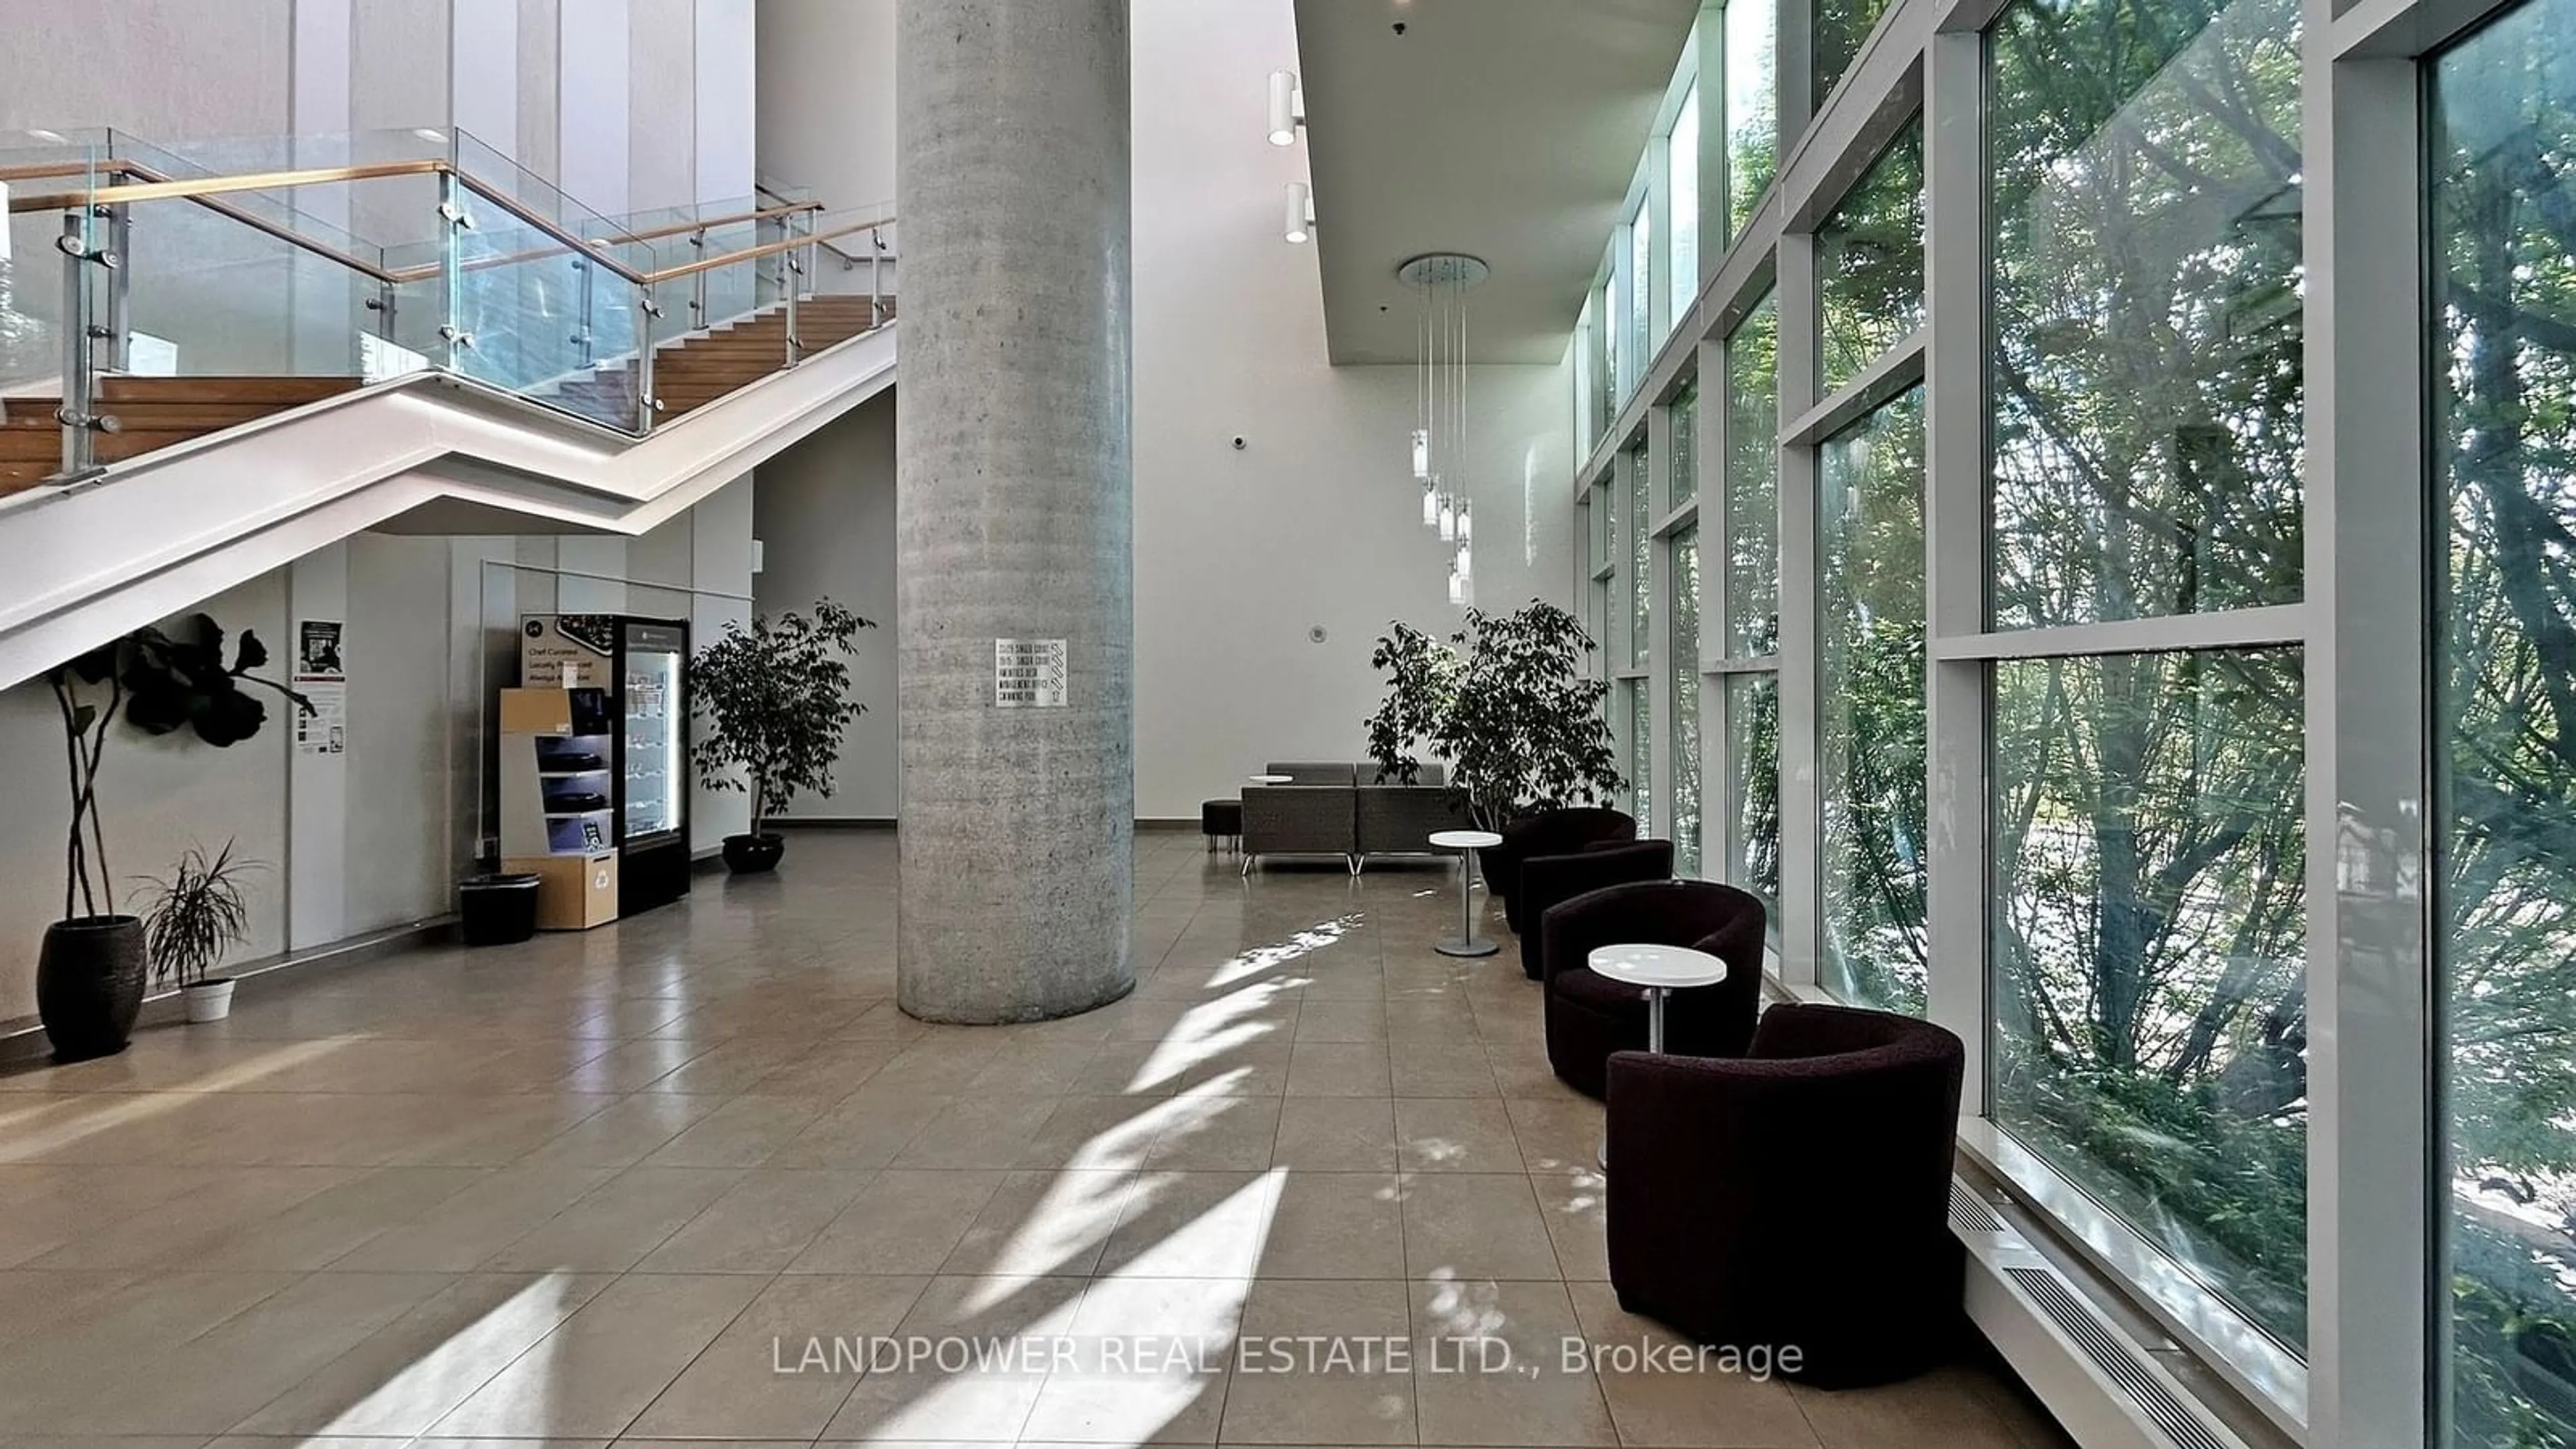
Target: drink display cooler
(594,766)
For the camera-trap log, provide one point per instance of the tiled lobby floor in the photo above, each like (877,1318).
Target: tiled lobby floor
(599,1187)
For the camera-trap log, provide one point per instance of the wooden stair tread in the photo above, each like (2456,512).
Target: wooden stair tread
(281,391)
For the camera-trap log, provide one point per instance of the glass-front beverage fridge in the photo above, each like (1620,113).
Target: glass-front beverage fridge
(635,666)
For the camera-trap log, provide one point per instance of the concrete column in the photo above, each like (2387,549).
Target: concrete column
(1013,517)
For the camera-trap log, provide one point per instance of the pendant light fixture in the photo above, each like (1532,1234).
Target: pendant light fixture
(1439,439)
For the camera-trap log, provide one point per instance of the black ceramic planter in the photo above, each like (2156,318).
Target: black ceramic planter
(89,985)
(752,854)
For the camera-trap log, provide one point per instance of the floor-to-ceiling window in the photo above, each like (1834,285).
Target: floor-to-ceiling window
(1751,29)
(2146,808)
(1869,266)
(1749,648)
(1681,656)
(1840,28)
(1681,208)
(1870,707)
(2503,542)
(1637,650)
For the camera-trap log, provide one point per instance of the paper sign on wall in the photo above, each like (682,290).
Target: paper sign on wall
(323,679)
(1028,673)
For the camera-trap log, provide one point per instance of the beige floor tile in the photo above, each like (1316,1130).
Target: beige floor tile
(1339,1069)
(1575,1204)
(503,1208)
(1336,1134)
(405,1377)
(611,1228)
(1344,1020)
(981,1401)
(1557,1136)
(1665,1395)
(1322,1363)
(1104,1132)
(980,1131)
(1491,1364)
(1454,1134)
(863,1130)
(744,1132)
(736,1389)
(760,1224)
(1944,1407)
(1448,1064)
(1335,1225)
(207,1383)
(629,1130)
(1150,1362)
(233,1200)
(1218,1133)
(1051,1223)
(1465,1225)
(595,1373)
(901,1222)
(1192,1225)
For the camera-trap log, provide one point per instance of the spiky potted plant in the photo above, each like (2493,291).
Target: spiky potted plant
(773,700)
(93,967)
(197,913)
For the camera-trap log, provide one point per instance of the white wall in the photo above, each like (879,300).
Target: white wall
(1315,522)
(626,104)
(824,514)
(826,107)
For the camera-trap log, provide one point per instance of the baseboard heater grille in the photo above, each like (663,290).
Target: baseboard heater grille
(2105,1388)
(2078,1321)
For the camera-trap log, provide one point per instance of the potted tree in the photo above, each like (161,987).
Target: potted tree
(90,973)
(197,913)
(774,701)
(1507,703)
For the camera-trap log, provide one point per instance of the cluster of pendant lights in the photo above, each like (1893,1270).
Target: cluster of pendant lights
(1440,358)
(1441,281)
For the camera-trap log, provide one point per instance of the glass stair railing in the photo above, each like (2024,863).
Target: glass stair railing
(149,294)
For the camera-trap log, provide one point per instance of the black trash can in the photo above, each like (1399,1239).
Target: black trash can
(495,910)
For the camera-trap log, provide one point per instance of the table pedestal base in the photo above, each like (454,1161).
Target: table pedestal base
(1654,1043)
(1476,946)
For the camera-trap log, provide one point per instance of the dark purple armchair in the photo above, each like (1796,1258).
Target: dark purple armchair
(1548,832)
(1590,1016)
(1548,881)
(1798,1196)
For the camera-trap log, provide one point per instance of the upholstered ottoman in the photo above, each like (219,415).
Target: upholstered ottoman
(1222,820)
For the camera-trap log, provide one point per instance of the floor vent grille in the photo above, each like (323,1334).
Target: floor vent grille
(2112,1357)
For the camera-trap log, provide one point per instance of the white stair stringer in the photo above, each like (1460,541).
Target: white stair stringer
(426,453)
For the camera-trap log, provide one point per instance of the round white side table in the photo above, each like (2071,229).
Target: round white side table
(1661,970)
(1467,942)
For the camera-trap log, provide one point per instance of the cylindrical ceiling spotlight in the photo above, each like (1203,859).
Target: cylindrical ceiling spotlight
(1284,119)
(1299,220)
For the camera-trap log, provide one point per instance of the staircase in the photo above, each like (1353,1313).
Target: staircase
(148,413)
(697,370)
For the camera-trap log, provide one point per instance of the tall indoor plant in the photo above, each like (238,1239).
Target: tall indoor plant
(90,973)
(1507,703)
(775,700)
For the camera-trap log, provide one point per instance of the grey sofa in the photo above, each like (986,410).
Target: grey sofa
(1343,809)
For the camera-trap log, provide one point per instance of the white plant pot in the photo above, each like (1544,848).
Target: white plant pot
(208,1000)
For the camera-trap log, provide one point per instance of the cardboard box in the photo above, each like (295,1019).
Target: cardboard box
(574,892)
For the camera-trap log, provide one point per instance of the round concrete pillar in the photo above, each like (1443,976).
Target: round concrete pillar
(1013,520)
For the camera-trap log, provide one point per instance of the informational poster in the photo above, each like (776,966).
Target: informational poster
(1028,673)
(322,677)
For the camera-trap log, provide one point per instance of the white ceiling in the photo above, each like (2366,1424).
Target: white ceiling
(1506,129)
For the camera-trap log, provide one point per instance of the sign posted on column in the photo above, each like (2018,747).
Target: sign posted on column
(1028,674)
